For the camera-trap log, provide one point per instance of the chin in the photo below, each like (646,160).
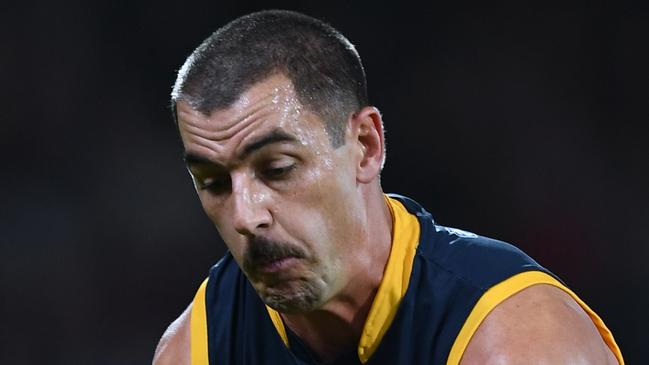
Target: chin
(302,300)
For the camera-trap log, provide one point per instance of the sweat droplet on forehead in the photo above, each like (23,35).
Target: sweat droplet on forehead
(291,116)
(287,102)
(270,105)
(310,134)
(275,98)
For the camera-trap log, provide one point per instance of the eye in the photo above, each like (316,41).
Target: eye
(278,172)
(214,184)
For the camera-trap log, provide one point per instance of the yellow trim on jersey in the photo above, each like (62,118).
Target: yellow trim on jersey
(498,293)
(279,325)
(198,328)
(606,334)
(405,238)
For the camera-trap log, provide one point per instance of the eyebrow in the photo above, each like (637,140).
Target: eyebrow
(277,135)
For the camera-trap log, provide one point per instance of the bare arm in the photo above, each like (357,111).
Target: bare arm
(539,325)
(174,346)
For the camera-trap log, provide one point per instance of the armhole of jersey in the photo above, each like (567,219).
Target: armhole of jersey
(278,323)
(498,293)
(198,328)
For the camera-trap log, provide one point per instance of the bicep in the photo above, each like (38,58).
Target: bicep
(174,346)
(540,324)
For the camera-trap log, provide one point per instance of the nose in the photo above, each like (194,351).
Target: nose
(249,202)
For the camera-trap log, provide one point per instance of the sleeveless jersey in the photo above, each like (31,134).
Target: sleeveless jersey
(439,284)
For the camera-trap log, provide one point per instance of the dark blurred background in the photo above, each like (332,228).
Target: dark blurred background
(524,123)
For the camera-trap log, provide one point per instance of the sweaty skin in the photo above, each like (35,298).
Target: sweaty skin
(174,346)
(539,325)
(308,225)
(267,174)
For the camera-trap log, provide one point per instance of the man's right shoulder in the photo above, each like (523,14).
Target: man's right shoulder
(174,346)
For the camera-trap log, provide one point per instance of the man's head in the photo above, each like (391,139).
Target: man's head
(288,196)
(321,63)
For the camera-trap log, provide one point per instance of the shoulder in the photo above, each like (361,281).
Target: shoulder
(480,261)
(174,346)
(540,324)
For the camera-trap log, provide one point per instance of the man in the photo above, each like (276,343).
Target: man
(323,267)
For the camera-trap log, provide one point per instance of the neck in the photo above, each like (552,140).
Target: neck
(337,326)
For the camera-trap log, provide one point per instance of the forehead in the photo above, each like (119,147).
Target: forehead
(269,105)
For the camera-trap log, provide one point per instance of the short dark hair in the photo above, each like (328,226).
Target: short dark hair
(323,66)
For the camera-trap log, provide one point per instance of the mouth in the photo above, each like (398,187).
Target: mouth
(275,260)
(277,266)
(278,270)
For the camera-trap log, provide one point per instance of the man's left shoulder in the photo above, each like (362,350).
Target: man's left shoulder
(457,249)
(540,324)
(481,260)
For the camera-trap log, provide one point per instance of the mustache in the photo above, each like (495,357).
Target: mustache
(262,250)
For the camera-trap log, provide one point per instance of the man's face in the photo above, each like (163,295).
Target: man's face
(283,199)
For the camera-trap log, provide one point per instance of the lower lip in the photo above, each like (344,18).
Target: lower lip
(278,265)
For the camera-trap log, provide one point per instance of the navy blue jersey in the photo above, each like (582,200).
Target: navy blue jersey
(438,286)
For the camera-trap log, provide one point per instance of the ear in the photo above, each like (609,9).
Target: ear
(367,138)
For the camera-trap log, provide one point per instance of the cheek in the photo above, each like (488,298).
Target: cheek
(223,225)
(210,209)
(322,204)
(331,177)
